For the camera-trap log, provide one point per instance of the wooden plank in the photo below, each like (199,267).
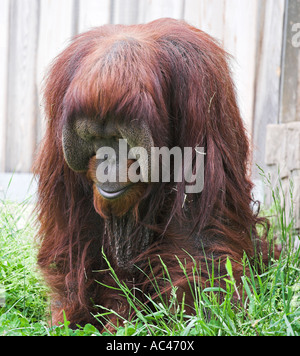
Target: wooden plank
(125,12)
(52,40)
(212,18)
(4,26)
(21,104)
(290,96)
(141,11)
(93,13)
(233,23)
(153,9)
(267,86)
(192,12)
(239,38)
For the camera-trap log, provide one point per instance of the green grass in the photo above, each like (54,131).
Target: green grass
(22,289)
(24,308)
(269,302)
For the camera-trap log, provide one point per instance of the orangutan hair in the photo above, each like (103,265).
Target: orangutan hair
(161,84)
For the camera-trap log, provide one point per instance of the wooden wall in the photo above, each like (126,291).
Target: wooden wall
(33,32)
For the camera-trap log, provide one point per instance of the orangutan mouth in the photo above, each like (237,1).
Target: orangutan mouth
(113,194)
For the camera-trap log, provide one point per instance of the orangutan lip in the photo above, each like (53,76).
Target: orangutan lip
(111,195)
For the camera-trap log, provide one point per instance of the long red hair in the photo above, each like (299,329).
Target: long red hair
(177,80)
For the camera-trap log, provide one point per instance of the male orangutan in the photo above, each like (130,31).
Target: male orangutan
(163,84)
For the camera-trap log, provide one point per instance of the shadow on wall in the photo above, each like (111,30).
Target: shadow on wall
(20,187)
(17,187)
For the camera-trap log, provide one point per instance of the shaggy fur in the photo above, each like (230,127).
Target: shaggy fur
(175,79)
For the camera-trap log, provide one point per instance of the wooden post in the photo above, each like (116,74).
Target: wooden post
(283,138)
(4,43)
(290,76)
(267,88)
(21,89)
